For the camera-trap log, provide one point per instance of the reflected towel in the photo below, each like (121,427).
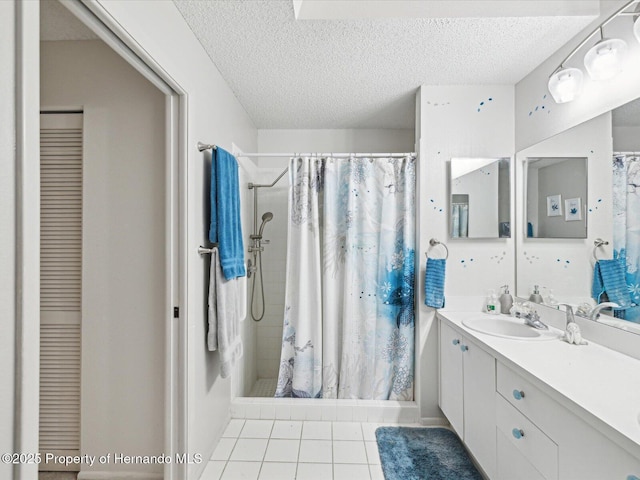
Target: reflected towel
(464,220)
(434,282)
(225,228)
(455,221)
(609,280)
(225,299)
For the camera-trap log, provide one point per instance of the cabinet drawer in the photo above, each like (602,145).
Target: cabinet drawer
(534,445)
(528,399)
(511,464)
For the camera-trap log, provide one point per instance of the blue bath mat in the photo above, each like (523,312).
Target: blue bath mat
(423,454)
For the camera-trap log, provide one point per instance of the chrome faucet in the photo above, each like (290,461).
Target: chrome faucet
(533,320)
(595,313)
(570,317)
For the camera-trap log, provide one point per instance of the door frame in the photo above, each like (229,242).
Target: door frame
(98,20)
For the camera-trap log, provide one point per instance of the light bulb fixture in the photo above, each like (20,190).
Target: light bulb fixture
(606,58)
(565,84)
(603,61)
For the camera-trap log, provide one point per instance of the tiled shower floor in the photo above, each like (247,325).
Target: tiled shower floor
(290,449)
(264,387)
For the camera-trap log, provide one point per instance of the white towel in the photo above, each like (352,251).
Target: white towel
(225,297)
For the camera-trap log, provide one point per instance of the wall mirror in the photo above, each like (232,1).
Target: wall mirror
(556,192)
(608,147)
(480,198)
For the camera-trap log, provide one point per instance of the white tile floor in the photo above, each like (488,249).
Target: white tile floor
(292,449)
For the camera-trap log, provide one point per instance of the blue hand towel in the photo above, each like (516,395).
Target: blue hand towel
(609,279)
(434,282)
(226,227)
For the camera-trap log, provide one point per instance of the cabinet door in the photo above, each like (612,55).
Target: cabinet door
(451,377)
(479,405)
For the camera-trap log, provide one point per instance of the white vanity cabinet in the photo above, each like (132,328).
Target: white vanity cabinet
(516,425)
(467,394)
(551,438)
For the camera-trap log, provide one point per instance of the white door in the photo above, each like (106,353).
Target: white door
(60,284)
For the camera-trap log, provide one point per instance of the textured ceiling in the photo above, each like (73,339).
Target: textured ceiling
(360,73)
(57,23)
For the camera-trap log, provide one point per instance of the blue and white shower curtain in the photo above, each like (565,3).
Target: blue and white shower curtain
(626,225)
(349,303)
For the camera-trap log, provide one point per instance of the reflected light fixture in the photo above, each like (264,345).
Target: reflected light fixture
(603,61)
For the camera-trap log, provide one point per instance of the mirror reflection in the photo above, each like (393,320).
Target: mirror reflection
(480,201)
(599,271)
(556,197)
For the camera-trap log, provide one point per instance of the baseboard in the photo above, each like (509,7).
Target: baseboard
(434,422)
(110,475)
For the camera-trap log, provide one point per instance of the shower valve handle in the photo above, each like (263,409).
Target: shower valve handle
(265,242)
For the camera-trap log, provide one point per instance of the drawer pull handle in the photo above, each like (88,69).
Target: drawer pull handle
(456,341)
(518,394)
(464,348)
(517,433)
(632,477)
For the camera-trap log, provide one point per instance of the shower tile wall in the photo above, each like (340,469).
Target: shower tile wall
(269,330)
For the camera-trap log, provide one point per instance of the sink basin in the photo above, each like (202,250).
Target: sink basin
(508,327)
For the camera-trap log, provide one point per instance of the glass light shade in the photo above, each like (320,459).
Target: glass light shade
(565,85)
(606,58)
(636,28)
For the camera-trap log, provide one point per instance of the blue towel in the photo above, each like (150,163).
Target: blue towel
(226,228)
(434,282)
(609,280)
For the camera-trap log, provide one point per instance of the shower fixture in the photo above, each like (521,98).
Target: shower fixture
(254,266)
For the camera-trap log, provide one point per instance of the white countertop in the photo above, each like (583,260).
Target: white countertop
(597,383)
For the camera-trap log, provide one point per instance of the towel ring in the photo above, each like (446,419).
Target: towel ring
(433,242)
(598,242)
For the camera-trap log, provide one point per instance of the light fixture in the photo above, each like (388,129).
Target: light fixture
(565,84)
(603,61)
(606,58)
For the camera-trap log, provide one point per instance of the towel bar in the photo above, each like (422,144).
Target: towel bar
(433,242)
(206,251)
(598,242)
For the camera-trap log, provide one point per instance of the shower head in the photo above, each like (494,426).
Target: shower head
(267,217)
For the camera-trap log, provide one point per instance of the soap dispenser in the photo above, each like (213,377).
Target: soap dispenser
(535,296)
(506,300)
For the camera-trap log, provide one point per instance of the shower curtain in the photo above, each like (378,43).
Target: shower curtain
(626,225)
(349,303)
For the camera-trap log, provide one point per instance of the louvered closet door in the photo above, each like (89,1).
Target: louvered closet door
(60,284)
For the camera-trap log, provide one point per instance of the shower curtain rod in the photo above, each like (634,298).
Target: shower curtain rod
(626,153)
(209,146)
(346,155)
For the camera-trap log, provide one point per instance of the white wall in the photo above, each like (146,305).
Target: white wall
(8,231)
(123,246)
(214,116)
(275,199)
(453,123)
(538,117)
(626,139)
(565,265)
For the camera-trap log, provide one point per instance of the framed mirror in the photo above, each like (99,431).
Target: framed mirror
(480,201)
(556,192)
